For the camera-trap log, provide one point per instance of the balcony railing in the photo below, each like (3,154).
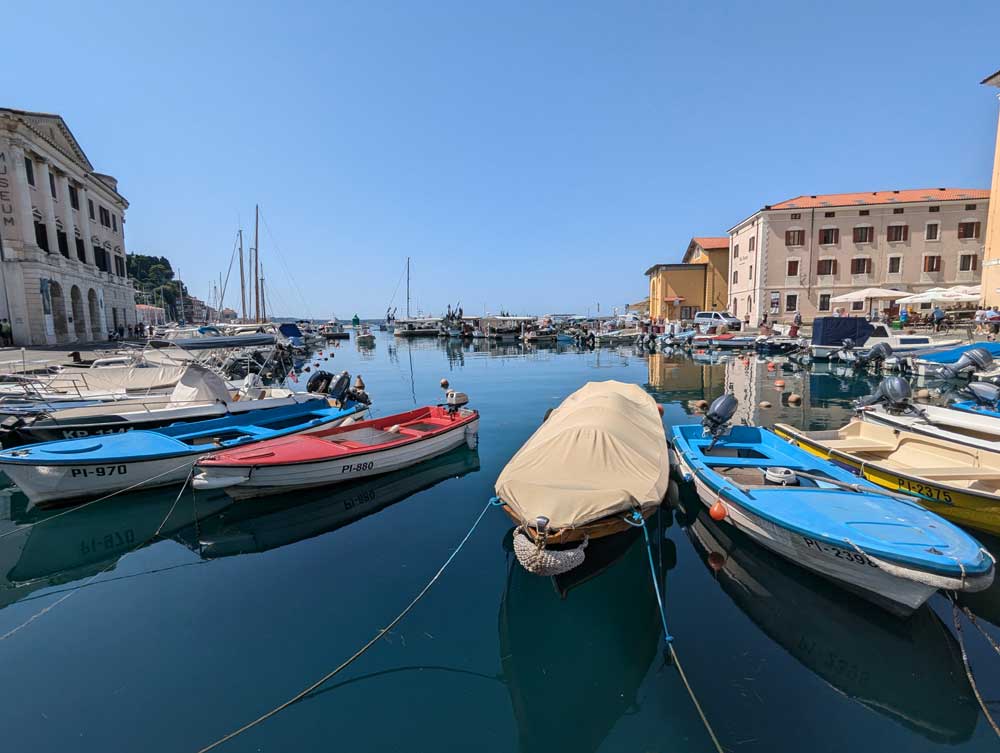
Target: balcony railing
(931,276)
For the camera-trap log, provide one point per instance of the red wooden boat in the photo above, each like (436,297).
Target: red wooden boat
(348,452)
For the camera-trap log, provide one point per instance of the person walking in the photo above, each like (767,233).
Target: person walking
(6,335)
(938,316)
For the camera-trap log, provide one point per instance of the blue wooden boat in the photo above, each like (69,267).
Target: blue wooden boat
(820,516)
(91,466)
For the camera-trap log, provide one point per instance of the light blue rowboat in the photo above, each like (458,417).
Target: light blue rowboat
(821,517)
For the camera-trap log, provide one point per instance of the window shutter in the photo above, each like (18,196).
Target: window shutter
(975,261)
(975,232)
(906,232)
(836,235)
(833,266)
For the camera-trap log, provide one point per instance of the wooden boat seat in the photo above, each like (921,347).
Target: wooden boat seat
(854,445)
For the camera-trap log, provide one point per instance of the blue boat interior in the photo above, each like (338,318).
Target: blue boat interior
(950,355)
(883,526)
(971,406)
(183,438)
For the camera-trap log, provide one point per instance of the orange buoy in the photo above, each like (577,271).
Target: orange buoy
(659,409)
(779,382)
(718,511)
(770,366)
(716,561)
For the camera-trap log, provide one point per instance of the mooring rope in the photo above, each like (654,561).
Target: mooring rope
(357,654)
(667,637)
(84,506)
(955,616)
(114,560)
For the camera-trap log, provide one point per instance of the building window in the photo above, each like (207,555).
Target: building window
(967,263)
(735,307)
(81,250)
(90,208)
(63,242)
(861,265)
(114,222)
(897,210)
(105,216)
(74,197)
(864,213)
(857,305)
(931,233)
(830,214)
(753,245)
(968,230)
(119,266)
(736,276)
(932,263)
(824,301)
(791,302)
(52,185)
(826,267)
(795,237)
(686,312)
(895,264)
(736,251)
(41,236)
(970,207)
(933,209)
(796,215)
(829,236)
(101,259)
(792,268)
(29,171)
(864,234)
(897,233)
(750,276)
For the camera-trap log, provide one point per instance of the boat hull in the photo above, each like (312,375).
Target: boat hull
(261,481)
(846,567)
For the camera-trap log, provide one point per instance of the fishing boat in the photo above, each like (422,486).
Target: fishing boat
(957,481)
(951,362)
(209,337)
(365,337)
(426,327)
(333,330)
(72,469)
(821,517)
(347,453)
(540,335)
(829,334)
(199,396)
(596,461)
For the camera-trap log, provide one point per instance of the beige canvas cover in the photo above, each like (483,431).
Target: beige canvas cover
(603,451)
(199,385)
(115,379)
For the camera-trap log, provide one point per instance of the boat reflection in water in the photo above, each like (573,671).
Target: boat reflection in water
(985,604)
(85,541)
(265,524)
(574,656)
(909,670)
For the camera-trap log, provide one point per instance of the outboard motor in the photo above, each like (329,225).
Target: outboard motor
(894,392)
(974,359)
(357,392)
(720,413)
(875,357)
(984,393)
(322,383)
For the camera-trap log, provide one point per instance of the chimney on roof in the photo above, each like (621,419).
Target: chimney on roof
(767,206)
(813,196)
(941,189)
(895,191)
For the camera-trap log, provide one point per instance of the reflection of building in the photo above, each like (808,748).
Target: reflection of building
(800,253)
(677,291)
(62,236)
(991,261)
(680,378)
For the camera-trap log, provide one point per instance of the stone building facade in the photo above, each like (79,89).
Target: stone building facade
(801,253)
(62,236)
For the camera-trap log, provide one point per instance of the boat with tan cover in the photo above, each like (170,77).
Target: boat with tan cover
(596,461)
(957,481)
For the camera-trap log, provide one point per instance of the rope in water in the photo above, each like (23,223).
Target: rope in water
(968,668)
(99,573)
(667,637)
(84,506)
(357,654)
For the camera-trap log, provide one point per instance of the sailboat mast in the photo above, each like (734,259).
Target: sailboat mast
(407,287)
(243,281)
(256,263)
(263,298)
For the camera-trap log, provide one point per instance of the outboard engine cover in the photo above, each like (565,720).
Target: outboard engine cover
(894,392)
(974,359)
(319,382)
(983,393)
(340,390)
(875,356)
(720,412)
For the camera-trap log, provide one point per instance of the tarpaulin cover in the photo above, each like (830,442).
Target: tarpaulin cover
(833,330)
(602,452)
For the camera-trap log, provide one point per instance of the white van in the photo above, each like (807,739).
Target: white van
(705,319)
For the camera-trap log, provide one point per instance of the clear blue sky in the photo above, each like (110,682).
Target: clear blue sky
(536,156)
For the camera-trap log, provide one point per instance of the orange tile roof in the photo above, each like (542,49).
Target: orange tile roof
(881,197)
(710,244)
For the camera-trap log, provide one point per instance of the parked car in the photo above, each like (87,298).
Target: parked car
(705,319)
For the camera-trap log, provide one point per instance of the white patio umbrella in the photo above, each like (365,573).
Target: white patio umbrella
(869,294)
(938,296)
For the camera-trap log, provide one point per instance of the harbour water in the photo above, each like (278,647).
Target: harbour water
(153,623)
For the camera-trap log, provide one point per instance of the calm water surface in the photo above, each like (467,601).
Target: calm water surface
(125,640)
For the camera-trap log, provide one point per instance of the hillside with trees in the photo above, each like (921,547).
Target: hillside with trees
(154,282)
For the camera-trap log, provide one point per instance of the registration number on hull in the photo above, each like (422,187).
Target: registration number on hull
(99,471)
(842,554)
(924,490)
(358,467)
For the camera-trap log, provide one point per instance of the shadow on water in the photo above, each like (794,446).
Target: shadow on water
(268,523)
(568,685)
(908,670)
